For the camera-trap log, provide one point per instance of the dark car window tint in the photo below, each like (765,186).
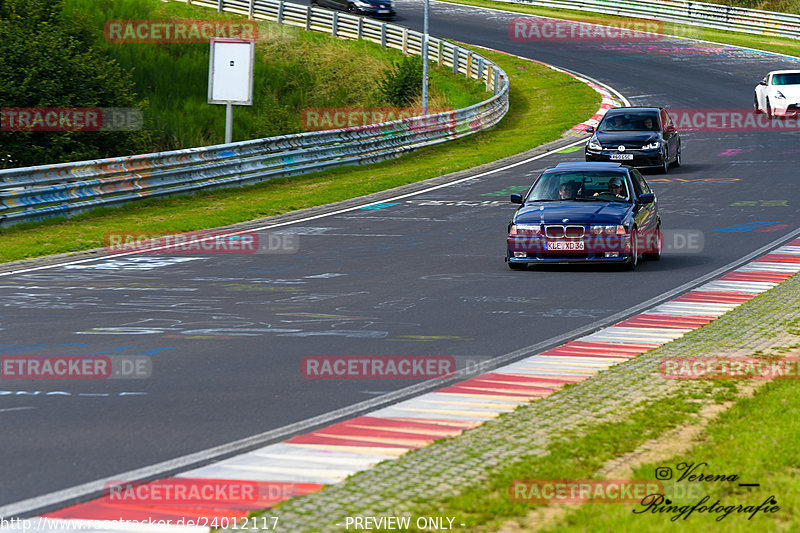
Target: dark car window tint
(786,79)
(578,186)
(647,121)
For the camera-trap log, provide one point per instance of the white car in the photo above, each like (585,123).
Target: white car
(779,94)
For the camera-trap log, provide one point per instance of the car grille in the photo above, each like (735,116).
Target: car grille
(560,232)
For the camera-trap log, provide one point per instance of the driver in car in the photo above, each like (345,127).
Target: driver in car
(614,188)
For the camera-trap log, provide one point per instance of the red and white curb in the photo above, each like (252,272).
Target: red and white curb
(308,462)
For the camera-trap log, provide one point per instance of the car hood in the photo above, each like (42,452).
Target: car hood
(640,138)
(593,212)
(789,91)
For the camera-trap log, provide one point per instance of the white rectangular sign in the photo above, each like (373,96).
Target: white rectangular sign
(230,72)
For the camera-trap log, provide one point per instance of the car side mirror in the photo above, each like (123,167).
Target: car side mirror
(589,129)
(647,198)
(516,198)
(762,82)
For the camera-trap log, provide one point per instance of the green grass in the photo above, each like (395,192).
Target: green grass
(574,455)
(757,439)
(294,70)
(783,6)
(544,104)
(772,44)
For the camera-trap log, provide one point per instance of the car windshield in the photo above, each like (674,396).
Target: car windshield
(629,122)
(791,78)
(584,186)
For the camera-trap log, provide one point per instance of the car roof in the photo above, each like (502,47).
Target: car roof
(590,166)
(615,110)
(784,72)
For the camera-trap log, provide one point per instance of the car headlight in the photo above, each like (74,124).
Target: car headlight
(779,95)
(594,145)
(525,229)
(652,146)
(602,229)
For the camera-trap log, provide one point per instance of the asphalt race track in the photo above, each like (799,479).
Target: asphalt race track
(421,275)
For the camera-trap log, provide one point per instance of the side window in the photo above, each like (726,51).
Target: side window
(640,183)
(669,120)
(665,121)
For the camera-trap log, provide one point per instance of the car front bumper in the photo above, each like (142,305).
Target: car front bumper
(641,158)
(377,11)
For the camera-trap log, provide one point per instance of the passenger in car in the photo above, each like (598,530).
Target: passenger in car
(566,191)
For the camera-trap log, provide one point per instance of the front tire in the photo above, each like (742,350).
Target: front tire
(769,109)
(756,108)
(677,162)
(665,164)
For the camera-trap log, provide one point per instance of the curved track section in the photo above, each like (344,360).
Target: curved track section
(422,275)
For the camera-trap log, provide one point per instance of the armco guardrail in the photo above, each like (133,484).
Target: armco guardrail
(35,193)
(701,14)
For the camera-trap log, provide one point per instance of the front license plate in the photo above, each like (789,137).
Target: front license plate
(576,246)
(383,11)
(623,157)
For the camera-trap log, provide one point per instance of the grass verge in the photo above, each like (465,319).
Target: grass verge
(757,440)
(773,44)
(543,104)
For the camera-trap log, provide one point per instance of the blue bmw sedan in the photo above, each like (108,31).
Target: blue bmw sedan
(585,213)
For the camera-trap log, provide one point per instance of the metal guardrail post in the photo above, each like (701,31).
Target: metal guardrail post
(455,60)
(469,65)
(220,6)
(360,27)
(250,11)
(383,35)
(480,68)
(308,18)
(280,13)
(335,25)
(405,41)
(439,54)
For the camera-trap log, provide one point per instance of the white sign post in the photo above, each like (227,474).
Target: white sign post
(230,76)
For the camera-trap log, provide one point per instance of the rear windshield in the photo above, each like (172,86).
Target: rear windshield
(580,187)
(629,122)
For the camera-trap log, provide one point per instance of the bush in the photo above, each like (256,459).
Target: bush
(402,82)
(48,58)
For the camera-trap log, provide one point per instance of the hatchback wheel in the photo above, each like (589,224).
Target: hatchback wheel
(677,161)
